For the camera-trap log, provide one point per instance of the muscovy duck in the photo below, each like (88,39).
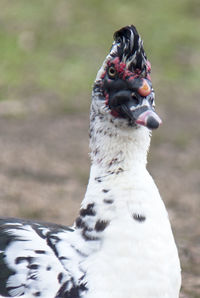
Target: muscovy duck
(121,245)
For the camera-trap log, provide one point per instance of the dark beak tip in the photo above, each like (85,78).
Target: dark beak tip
(149,119)
(153,123)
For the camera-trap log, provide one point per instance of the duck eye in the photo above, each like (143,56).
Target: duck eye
(112,72)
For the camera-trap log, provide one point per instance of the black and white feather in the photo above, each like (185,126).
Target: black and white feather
(39,260)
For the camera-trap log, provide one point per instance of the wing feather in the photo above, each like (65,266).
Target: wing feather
(38,259)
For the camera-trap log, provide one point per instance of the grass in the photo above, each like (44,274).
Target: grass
(57,46)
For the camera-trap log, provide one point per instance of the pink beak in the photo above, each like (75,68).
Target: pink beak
(149,118)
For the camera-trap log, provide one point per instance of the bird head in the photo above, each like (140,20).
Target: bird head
(123,85)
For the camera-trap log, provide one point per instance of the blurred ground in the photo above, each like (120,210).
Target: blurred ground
(49,54)
(44,170)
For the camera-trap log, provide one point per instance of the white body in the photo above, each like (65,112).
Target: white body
(134,256)
(135,259)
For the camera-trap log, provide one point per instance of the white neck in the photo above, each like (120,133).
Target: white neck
(119,157)
(117,149)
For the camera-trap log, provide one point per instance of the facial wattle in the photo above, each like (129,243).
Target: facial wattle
(145,88)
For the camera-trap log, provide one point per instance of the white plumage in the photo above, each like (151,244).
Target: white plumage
(121,245)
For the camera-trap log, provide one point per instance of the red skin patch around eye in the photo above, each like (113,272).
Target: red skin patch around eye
(132,77)
(103,74)
(119,66)
(121,69)
(126,74)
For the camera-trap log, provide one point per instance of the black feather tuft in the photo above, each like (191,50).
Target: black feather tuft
(130,49)
(125,32)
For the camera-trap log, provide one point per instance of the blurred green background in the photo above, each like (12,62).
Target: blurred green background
(54,48)
(50,51)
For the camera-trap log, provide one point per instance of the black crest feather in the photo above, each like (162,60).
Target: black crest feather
(130,48)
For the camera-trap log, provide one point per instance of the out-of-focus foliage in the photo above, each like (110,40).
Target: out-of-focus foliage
(55,47)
